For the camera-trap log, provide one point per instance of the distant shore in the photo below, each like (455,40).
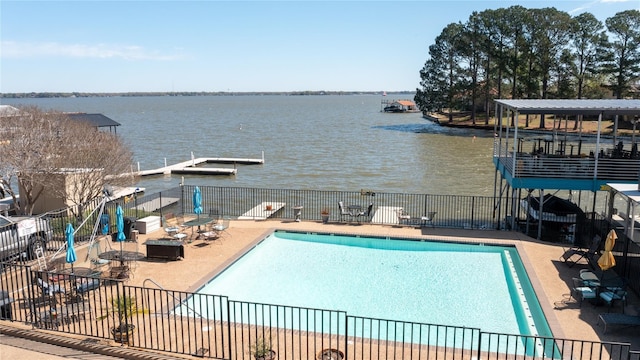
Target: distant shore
(41,95)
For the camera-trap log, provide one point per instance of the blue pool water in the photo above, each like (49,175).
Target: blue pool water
(468,285)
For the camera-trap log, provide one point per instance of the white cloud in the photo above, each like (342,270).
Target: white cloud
(11,49)
(585,7)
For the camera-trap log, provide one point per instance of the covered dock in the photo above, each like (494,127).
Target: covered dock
(563,157)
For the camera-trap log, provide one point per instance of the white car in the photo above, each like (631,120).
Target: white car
(20,236)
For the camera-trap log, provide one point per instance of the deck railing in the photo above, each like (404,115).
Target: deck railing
(528,165)
(217,327)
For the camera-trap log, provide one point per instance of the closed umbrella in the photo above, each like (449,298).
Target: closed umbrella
(120,228)
(71,252)
(197,201)
(607,260)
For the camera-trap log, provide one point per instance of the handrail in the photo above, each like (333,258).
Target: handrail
(154,283)
(174,298)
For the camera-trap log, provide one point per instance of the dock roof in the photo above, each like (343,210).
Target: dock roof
(606,107)
(97,120)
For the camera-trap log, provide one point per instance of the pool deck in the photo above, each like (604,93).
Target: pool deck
(550,277)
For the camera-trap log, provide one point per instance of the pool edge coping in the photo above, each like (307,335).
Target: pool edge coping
(552,320)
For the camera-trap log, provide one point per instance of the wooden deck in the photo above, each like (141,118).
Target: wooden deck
(191,167)
(260,212)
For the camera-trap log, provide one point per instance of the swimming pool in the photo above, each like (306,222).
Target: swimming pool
(458,284)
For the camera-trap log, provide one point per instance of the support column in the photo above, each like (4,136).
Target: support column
(540,211)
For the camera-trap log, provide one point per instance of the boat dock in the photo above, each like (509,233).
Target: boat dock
(190,167)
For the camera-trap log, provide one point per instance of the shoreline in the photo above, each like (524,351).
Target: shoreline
(588,127)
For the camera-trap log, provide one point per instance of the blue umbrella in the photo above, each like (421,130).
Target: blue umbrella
(71,252)
(197,201)
(120,224)
(120,227)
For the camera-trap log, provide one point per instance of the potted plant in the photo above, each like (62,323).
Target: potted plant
(124,307)
(261,349)
(324,213)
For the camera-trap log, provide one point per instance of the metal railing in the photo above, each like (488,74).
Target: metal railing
(453,211)
(528,165)
(165,320)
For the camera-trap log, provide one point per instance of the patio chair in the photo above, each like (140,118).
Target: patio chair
(575,254)
(618,319)
(428,218)
(365,213)
(221,227)
(173,230)
(343,211)
(403,216)
(580,291)
(612,295)
(210,233)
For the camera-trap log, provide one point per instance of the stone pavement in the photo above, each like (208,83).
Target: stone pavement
(21,342)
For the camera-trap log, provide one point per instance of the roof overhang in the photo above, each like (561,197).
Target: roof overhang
(630,191)
(609,107)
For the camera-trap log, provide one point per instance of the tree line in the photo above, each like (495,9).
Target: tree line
(522,53)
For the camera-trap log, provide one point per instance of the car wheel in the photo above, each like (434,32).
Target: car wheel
(35,242)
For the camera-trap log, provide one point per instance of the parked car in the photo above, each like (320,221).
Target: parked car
(20,236)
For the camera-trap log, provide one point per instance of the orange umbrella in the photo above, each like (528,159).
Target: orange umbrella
(607,260)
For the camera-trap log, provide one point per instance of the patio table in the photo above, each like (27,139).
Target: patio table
(197,222)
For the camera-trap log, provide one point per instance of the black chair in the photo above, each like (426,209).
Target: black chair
(365,213)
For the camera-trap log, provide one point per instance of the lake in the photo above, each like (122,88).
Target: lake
(310,142)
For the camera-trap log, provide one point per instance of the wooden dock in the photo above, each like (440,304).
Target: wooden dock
(192,167)
(260,212)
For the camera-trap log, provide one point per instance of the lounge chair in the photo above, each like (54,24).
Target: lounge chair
(49,294)
(82,288)
(48,289)
(617,319)
(575,254)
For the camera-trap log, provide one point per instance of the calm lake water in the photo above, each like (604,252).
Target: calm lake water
(309,142)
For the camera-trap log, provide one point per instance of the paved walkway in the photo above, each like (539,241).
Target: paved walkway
(21,342)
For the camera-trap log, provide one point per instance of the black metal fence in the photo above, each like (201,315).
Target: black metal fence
(451,211)
(217,327)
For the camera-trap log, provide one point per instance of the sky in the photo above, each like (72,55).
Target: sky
(238,46)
